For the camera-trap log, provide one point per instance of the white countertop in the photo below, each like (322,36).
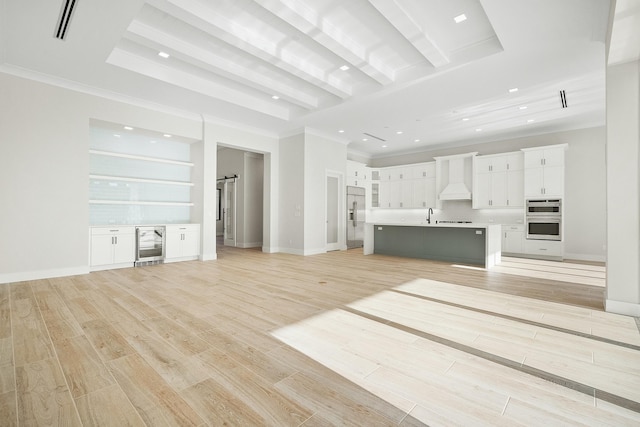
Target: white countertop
(433,224)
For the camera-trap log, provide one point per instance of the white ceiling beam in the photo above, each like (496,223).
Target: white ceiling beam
(402,19)
(186,51)
(204,17)
(333,38)
(151,68)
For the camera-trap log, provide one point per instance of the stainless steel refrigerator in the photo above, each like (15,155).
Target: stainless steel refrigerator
(355,216)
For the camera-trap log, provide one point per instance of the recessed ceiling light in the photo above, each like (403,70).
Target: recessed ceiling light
(344,67)
(384,146)
(530,121)
(478,130)
(399,132)
(466,119)
(416,140)
(166,135)
(341,131)
(116,135)
(524,107)
(152,142)
(365,139)
(164,55)
(512,90)
(460,18)
(128,128)
(275,97)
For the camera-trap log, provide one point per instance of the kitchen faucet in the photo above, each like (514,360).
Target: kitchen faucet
(429,212)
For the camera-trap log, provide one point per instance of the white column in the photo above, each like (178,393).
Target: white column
(623,189)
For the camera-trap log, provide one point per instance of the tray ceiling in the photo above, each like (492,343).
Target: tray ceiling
(386,76)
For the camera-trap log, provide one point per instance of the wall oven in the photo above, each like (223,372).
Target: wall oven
(544,219)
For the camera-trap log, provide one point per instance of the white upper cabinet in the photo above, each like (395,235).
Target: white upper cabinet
(358,174)
(411,186)
(544,171)
(498,181)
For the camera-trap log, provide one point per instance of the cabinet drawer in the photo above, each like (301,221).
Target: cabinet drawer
(101,231)
(516,227)
(543,247)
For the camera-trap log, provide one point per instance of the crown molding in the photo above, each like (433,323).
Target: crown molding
(238,126)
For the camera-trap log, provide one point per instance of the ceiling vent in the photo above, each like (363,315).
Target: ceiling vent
(376,137)
(563,99)
(66,12)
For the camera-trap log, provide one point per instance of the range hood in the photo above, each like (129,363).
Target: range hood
(456,189)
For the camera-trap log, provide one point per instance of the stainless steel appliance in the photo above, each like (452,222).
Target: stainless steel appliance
(544,219)
(150,245)
(355,216)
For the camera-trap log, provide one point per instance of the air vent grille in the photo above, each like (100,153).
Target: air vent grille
(563,99)
(376,137)
(66,12)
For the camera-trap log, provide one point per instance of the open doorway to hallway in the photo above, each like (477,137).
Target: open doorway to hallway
(240,187)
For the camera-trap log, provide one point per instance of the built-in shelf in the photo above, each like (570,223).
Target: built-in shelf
(134,182)
(137,202)
(145,158)
(145,180)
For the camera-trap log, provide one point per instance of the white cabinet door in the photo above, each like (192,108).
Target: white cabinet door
(173,242)
(384,195)
(124,248)
(553,156)
(499,189)
(515,188)
(482,194)
(533,182)
(112,246)
(515,161)
(191,242)
(101,250)
(395,193)
(513,239)
(553,181)
(420,193)
(406,193)
(182,241)
(534,159)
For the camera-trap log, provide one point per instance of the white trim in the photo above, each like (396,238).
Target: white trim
(93,91)
(323,134)
(44,274)
(329,173)
(239,126)
(270,250)
(209,257)
(249,245)
(291,251)
(621,307)
(585,257)
(316,251)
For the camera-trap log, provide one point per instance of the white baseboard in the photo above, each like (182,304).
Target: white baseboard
(585,257)
(208,257)
(622,307)
(249,245)
(316,251)
(270,250)
(43,274)
(291,251)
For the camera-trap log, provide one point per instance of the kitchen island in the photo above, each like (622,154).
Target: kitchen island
(465,243)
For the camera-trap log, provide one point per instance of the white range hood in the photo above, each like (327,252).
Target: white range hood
(455,181)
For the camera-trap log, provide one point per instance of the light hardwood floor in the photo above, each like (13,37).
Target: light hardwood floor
(333,339)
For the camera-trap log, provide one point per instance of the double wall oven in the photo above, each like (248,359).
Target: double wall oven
(544,219)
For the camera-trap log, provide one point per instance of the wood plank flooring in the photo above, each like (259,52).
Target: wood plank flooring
(332,339)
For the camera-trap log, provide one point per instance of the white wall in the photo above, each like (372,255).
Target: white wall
(44,168)
(292,191)
(585,188)
(623,188)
